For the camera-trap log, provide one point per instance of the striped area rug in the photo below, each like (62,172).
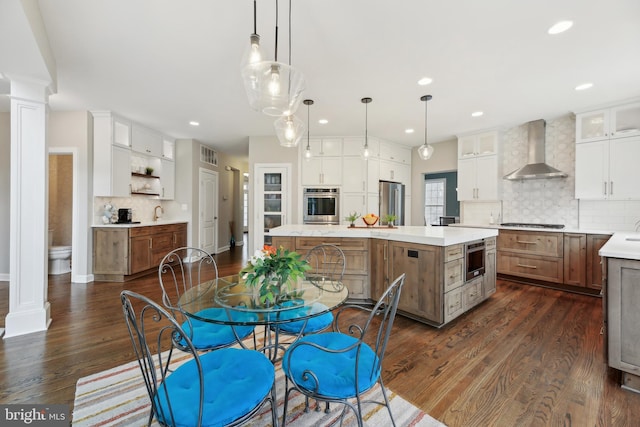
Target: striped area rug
(118,397)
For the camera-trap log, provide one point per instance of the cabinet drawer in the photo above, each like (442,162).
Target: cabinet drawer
(533,243)
(356,262)
(453,252)
(534,267)
(453,274)
(154,229)
(472,293)
(453,304)
(347,244)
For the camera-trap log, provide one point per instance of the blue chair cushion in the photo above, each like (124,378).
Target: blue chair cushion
(235,382)
(208,335)
(313,324)
(335,371)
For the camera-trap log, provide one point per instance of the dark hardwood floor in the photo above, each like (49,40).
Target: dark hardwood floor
(527,356)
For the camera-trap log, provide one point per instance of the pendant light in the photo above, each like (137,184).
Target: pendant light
(273,87)
(365,152)
(307,151)
(289,130)
(254,53)
(425,151)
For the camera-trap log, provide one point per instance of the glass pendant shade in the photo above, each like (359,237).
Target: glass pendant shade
(425,151)
(254,54)
(273,88)
(289,130)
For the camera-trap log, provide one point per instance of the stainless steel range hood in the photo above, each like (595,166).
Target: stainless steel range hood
(536,168)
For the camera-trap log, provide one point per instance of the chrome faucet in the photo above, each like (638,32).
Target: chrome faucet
(155,212)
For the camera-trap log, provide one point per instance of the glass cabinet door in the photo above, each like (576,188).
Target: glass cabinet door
(272,206)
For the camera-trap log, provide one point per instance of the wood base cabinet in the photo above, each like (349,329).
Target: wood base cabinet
(123,253)
(356,252)
(623,317)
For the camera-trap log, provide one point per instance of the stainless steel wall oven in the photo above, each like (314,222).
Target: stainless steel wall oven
(474,259)
(321,206)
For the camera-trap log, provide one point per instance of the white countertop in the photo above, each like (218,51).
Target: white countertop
(427,235)
(619,247)
(546,230)
(142,224)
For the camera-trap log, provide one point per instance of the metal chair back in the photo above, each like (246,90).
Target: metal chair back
(327,264)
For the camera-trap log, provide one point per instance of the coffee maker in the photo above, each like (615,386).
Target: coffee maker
(124,216)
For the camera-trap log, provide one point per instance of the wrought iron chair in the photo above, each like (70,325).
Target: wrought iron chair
(341,366)
(327,263)
(224,387)
(180,271)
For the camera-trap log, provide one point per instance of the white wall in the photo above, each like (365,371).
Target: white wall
(5,190)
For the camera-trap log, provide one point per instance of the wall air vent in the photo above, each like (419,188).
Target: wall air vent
(208,155)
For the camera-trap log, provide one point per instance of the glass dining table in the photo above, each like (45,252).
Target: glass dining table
(305,300)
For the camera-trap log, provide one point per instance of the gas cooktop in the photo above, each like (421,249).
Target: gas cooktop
(526,225)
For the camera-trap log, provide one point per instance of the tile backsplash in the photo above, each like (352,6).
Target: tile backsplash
(549,201)
(142,207)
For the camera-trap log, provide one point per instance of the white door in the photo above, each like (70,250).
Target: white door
(208,210)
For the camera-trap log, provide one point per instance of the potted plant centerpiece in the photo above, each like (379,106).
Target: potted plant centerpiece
(271,273)
(389,219)
(352,218)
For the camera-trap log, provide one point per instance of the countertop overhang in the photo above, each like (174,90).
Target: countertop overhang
(426,235)
(141,224)
(625,245)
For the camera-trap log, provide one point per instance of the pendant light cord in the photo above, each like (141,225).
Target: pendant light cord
(255,15)
(276,43)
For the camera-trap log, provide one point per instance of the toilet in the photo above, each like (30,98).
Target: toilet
(59,257)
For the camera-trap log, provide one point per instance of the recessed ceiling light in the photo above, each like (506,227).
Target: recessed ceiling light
(584,86)
(425,81)
(560,27)
(323,121)
(194,123)
(477,114)
(409,131)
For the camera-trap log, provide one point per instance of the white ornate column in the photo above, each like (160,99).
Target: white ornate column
(29,310)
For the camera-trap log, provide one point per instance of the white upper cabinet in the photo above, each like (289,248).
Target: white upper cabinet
(608,169)
(146,141)
(395,153)
(478,167)
(168,148)
(322,147)
(482,144)
(121,132)
(616,122)
(111,155)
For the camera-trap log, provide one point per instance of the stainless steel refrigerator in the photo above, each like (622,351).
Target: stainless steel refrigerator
(392,201)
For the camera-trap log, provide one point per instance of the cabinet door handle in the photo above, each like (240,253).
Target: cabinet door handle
(527,266)
(611,188)
(150,242)
(526,242)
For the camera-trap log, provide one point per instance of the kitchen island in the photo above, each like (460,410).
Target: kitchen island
(437,287)
(621,290)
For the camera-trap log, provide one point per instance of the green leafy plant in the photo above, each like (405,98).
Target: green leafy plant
(389,219)
(149,170)
(272,271)
(352,216)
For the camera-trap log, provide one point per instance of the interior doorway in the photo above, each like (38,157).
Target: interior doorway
(208,229)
